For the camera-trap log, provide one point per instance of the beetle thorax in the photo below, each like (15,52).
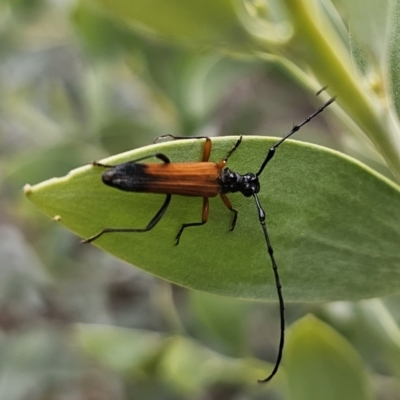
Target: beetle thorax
(231,182)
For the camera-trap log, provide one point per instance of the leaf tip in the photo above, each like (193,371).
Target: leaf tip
(27,189)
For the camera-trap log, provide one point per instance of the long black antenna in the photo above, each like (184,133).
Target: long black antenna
(271,151)
(261,217)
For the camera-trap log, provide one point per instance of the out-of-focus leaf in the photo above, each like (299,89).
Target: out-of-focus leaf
(101,36)
(382,327)
(358,55)
(124,350)
(205,22)
(36,363)
(179,361)
(334,223)
(394,56)
(368,22)
(320,364)
(224,319)
(38,164)
(320,47)
(22,275)
(189,366)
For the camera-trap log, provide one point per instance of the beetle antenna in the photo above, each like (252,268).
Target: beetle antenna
(321,90)
(295,128)
(261,217)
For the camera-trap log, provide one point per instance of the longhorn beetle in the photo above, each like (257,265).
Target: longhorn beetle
(200,179)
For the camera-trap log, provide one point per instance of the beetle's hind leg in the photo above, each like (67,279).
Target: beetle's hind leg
(160,156)
(149,226)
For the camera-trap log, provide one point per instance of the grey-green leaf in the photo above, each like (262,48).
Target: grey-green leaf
(358,54)
(205,22)
(320,364)
(394,56)
(333,222)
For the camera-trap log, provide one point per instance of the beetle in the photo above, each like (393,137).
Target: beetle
(199,179)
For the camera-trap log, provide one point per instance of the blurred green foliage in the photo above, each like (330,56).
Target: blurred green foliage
(83,80)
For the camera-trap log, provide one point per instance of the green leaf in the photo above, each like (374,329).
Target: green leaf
(204,22)
(368,21)
(179,361)
(381,327)
(394,56)
(321,364)
(189,366)
(217,315)
(124,350)
(334,223)
(358,55)
(317,45)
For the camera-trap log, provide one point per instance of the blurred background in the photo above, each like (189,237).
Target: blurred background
(76,323)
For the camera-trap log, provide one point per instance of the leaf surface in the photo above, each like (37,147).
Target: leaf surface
(333,222)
